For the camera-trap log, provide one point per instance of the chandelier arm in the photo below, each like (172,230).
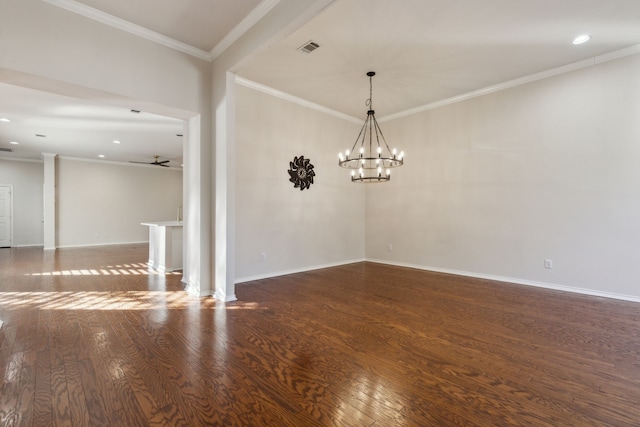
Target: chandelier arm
(378,134)
(363,129)
(381,134)
(371,130)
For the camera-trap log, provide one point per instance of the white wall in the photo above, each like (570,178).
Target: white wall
(27,179)
(297,230)
(496,184)
(104,203)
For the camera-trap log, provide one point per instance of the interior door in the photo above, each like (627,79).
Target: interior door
(5,216)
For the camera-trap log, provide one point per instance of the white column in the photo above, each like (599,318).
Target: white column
(281,20)
(49,196)
(197,208)
(225,194)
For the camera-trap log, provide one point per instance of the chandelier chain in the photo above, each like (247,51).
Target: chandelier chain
(369,102)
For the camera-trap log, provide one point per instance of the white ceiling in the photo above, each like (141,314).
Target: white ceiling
(83,128)
(198,23)
(423,51)
(429,50)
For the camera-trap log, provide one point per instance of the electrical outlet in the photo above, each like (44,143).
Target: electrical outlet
(263,256)
(548,263)
(390,247)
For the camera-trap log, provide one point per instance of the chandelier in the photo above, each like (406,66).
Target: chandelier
(366,164)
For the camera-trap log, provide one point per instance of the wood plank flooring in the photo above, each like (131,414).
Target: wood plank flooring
(91,337)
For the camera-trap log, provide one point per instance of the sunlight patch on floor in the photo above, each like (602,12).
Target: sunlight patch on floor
(136,269)
(120,300)
(94,300)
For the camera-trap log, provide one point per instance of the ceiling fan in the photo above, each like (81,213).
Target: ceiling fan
(155,162)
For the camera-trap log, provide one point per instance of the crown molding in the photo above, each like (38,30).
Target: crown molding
(632,50)
(121,24)
(21,159)
(249,21)
(238,31)
(621,53)
(287,97)
(616,54)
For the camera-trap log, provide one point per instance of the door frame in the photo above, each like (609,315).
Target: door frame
(10,213)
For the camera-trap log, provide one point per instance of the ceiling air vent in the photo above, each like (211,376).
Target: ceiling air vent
(309,46)
(8,150)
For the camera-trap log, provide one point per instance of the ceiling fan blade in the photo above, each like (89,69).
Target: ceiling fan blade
(155,162)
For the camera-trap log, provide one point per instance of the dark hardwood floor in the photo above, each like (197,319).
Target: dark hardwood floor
(91,337)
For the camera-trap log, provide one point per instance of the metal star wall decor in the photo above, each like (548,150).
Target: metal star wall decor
(301,172)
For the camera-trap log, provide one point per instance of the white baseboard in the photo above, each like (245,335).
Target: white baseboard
(294,271)
(89,245)
(514,280)
(194,290)
(225,298)
(93,245)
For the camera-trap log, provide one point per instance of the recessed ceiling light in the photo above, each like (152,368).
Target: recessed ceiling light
(101,156)
(115,141)
(14,142)
(582,39)
(4,119)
